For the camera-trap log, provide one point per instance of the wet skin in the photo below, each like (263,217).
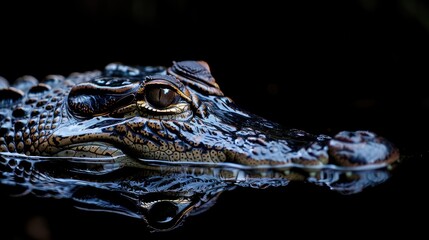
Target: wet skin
(95,124)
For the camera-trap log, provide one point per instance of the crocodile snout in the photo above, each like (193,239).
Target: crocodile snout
(360,148)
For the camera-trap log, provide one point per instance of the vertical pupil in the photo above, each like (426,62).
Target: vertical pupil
(160,97)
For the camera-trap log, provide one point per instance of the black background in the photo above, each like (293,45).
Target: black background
(320,66)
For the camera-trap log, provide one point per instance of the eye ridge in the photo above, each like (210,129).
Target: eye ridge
(161,97)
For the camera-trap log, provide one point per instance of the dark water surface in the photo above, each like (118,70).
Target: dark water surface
(318,66)
(298,208)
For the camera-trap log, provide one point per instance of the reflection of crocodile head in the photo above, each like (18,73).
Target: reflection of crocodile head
(161,137)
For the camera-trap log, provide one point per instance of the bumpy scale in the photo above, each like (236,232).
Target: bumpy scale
(169,125)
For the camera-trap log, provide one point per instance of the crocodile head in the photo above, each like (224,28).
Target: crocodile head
(161,143)
(180,115)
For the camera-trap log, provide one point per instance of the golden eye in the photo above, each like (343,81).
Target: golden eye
(161,97)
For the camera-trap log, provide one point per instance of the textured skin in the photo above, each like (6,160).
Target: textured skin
(163,143)
(103,114)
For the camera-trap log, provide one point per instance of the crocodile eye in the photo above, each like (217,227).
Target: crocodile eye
(161,97)
(164,97)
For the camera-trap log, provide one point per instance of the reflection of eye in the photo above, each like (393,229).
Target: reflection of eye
(161,97)
(162,212)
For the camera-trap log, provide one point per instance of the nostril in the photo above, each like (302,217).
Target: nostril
(355,137)
(347,136)
(365,134)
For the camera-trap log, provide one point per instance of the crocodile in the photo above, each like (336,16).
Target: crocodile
(134,130)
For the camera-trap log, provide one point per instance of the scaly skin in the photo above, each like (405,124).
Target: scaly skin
(103,114)
(159,143)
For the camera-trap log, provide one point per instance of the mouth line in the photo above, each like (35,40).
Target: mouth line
(106,158)
(103,153)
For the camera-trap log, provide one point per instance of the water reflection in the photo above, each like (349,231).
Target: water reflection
(161,194)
